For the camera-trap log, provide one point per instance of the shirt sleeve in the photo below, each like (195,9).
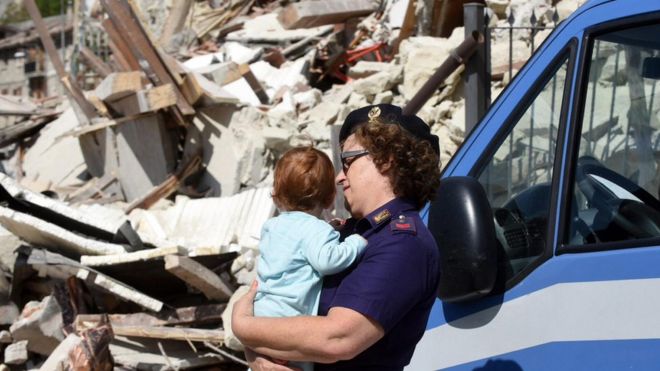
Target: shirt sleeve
(329,256)
(387,283)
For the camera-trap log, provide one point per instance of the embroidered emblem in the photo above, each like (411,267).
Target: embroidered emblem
(373,114)
(382,216)
(403,224)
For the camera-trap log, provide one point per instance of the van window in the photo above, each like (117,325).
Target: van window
(615,187)
(518,178)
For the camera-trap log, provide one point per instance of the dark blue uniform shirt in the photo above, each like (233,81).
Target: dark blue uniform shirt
(394,283)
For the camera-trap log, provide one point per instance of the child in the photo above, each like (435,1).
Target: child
(297,247)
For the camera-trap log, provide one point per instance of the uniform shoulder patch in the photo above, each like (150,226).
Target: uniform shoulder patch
(382,216)
(403,224)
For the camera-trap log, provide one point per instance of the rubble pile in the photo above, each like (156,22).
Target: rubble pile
(131,210)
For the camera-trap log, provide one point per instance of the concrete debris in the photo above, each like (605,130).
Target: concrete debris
(40,325)
(16,353)
(160,160)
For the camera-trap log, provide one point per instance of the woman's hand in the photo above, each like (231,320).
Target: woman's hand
(259,362)
(337,223)
(243,310)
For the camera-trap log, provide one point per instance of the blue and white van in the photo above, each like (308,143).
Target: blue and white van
(548,216)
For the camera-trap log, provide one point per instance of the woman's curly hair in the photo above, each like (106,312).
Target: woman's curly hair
(413,170)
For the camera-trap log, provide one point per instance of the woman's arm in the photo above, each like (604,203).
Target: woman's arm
(342,334)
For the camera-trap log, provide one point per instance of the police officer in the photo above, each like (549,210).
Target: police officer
(372,315)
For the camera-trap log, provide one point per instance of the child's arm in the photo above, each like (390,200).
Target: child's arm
(328,256)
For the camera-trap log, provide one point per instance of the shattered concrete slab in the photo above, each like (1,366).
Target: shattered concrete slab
(15,190)
(227,223)
(42,233)
(40,324)
(43,162)
(266,28)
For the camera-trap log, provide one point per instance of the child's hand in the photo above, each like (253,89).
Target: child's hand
(337,223)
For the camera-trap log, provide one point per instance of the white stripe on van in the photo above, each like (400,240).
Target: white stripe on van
(577,311)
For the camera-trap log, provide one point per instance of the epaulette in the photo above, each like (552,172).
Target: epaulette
(403,224)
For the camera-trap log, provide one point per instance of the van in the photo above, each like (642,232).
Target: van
(548,215)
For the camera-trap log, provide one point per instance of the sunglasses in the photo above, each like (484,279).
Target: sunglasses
(347,158)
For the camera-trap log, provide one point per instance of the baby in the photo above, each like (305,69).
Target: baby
(297,247)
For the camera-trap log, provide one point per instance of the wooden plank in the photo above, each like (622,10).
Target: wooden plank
(94,62)
(48,44)
(155,354)
(198,276)
(142,255)
(122,15)
(175,20)
(98,125)
(101,108)
(159,283)
(146,101)
(119,289)
(120,50)
(167,187)
(307,14)
(94,187)
(118,85)
(171,333)
(60,267)
(203,314)
(16,132)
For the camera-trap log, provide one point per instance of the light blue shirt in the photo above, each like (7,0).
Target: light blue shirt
(296,251)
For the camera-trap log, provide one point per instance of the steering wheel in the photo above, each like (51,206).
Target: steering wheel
(632,217)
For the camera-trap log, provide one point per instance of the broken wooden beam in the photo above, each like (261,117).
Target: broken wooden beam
(175,20)
(198,276)
(120,50)
(309,13)
(146,100)
(199,315)
(122,15)
(254,83)
(48,44)
(118,85)
(94,62)
(101,124)
(167,187)
(16,132)
(171,333)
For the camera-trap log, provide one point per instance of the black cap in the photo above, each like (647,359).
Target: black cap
(389,114)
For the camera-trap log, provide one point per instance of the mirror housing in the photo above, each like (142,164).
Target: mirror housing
(461,221)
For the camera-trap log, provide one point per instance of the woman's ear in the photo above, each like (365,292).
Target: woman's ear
(386,166)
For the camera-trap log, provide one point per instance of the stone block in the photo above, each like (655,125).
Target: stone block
(40,324)
(16,353)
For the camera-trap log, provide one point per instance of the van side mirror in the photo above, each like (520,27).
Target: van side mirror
(461,220)
(651,68)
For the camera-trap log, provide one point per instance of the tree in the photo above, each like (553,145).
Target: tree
(15,12)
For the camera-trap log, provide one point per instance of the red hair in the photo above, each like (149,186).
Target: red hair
(304,179)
